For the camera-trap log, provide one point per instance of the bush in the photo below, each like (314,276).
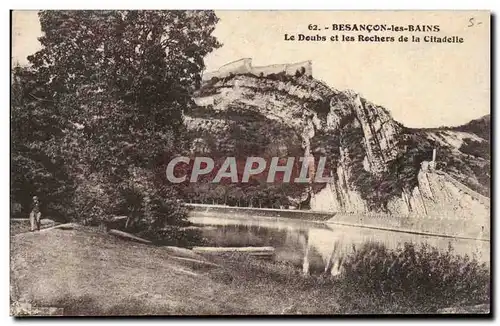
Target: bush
(165,211)
(16,210)
(147,206)
(150,209)
(423,279)
(92,202)
(300,72)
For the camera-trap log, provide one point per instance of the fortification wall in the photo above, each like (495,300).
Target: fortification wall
(267,70)
(244,66)
(241,66)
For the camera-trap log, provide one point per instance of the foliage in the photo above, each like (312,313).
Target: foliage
(105,96)
(37,164)
(422,277)
(92,200)
(476,148)
(480,127)
(135,55)
(248,134)
(300,72)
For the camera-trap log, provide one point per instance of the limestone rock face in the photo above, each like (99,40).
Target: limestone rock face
(375,163)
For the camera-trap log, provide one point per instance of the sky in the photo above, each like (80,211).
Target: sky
(421,84)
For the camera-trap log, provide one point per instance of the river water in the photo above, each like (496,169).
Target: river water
(311,245)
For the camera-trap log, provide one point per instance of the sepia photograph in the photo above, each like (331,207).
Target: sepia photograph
(250,163)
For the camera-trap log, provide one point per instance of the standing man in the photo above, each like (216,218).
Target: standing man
(35,214)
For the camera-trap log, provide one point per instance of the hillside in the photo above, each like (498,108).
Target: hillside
(480,127)
(375,161)
(466,152)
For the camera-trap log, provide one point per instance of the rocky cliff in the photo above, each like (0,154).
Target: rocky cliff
(377,164)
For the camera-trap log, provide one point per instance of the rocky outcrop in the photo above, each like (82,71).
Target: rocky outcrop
(376,164)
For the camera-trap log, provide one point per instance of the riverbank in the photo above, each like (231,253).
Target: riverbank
(88,272)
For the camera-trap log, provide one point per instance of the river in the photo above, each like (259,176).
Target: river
(313,245)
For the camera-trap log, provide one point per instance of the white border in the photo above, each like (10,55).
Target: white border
(186,4)
(257,5)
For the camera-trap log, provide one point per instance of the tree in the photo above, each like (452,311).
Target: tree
(37,166)
(119,81)
(129,74)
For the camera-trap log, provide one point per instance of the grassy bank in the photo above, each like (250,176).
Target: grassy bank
(92,273)
(23,226)
(87,272)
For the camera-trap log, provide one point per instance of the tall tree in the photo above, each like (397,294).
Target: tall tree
(121,80)
(37,164)
(128,72)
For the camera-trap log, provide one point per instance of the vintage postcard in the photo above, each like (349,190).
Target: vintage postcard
(181,162)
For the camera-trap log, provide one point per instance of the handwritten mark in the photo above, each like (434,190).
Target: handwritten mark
(473,22)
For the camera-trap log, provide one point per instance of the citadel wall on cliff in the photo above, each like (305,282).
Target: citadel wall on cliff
(244,66)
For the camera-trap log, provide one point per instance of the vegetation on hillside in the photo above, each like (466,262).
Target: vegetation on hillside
(480,127)
(470,163)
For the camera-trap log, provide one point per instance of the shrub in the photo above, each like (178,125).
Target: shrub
(16,210)
(272,76)
(300,72)
(149,209)
(422,278)
(92,202)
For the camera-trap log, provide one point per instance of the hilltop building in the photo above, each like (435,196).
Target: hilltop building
(244,66)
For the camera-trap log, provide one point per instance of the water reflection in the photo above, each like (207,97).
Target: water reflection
(317,247)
